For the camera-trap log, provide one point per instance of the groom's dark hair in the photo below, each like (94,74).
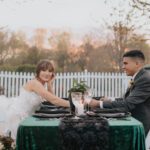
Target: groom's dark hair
(135,54)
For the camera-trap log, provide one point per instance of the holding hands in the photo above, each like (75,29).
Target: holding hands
(106,99)
(99,103)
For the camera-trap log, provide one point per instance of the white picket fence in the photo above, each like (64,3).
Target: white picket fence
(103,84)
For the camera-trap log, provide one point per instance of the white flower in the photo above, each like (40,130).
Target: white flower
(1,146)
(131,82)
(13,145)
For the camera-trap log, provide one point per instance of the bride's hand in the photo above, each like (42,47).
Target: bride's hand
(50,82)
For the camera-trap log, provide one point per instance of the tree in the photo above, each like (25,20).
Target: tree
(39,38)
(60,40)
(119,42)
(140,42)
(4,51)
(121,31)
(142,5)
(99,60)
(61,44)
(85,51)
(17,42)
(32,55)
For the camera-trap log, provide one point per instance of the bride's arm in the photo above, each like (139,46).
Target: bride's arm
(50,84)
(39,89)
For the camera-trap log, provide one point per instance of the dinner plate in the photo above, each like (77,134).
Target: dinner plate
(48,106)
(53,111)
(110,115)
(42,115)
(107,110)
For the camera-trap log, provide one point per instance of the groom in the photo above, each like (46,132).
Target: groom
(137,97)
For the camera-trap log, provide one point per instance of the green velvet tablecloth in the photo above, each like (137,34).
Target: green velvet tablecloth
(36,134)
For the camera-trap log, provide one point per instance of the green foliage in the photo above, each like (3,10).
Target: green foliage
(78,87)
(33,55)
(7,68)
(26,68)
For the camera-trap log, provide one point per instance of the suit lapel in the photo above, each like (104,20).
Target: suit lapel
(129,89)
(127,92)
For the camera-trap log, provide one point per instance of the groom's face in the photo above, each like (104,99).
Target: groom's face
(130,65)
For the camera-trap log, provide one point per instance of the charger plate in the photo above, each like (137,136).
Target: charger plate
(53,111)
(110,115)
(43,115)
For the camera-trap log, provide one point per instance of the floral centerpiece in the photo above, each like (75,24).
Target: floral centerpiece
(7,143)
(77,87)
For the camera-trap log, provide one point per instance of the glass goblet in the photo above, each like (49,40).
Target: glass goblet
(78,103)
(88,97)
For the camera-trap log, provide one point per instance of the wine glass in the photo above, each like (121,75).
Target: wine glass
(88,97)
(78,103)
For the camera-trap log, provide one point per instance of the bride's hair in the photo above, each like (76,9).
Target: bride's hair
(43,65)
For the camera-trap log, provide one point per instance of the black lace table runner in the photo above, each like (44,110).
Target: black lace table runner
(84,134)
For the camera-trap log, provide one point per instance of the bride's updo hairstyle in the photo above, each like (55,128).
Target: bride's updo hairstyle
(44,65)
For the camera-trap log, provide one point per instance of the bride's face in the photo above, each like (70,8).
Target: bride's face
(45,76)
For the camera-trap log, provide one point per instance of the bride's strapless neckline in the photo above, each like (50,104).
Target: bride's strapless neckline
(25,90)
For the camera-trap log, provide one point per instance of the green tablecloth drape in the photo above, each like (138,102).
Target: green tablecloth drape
(36,134)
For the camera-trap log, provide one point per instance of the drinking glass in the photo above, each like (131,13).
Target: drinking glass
(88,94)
(78,103)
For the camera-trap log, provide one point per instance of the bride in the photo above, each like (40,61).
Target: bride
(14,110)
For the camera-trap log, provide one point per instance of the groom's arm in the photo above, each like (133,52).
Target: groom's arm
(99,103)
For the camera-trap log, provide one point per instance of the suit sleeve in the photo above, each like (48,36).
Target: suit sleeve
(139,94)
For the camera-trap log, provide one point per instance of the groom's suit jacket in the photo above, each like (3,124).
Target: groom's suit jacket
(136,99)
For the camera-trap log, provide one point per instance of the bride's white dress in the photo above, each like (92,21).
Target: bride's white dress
(14,110)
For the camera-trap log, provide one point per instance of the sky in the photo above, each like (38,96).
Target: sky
(17,14)
(77,16)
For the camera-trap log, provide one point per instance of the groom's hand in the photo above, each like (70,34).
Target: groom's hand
(94,103)
(106,99)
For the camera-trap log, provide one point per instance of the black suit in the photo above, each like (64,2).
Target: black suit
(136,99)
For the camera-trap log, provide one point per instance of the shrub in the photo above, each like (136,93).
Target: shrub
(26,68)
(7,68)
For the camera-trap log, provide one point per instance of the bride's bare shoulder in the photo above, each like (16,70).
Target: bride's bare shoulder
(31,84)
(33,81)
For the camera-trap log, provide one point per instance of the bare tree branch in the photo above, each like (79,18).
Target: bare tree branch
(143,5)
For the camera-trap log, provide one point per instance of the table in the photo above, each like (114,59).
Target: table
(35,134)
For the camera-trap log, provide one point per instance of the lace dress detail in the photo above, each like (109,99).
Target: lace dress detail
(14,110)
